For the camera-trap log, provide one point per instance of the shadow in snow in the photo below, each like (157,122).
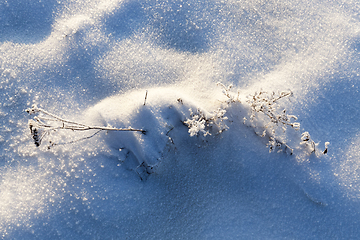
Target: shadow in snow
(184,26)
(126,20)
(26,21)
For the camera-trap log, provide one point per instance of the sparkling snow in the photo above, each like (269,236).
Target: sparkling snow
(94,61)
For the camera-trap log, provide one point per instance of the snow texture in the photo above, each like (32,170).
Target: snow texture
(202,169)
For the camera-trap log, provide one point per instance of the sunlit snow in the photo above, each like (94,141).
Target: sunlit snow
(208,165)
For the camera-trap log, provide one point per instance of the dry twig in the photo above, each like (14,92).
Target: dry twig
(47,122)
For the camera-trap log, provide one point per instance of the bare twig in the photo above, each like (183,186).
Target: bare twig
(145,97)
(39,129)
(74,141)
(227,92)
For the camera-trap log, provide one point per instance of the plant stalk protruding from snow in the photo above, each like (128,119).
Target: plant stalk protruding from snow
(47,122)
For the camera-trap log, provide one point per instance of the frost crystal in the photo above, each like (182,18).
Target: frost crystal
(196,124)
(199,123)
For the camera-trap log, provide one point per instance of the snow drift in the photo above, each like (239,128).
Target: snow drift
(92,61)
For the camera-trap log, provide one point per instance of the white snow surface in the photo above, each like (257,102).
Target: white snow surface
(95,61)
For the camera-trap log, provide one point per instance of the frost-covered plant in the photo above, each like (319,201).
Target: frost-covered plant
(46,122)
(310,145)
(218,120)
(308,142)
(227,92)
(276,144)
(198,123)
(264,115)
(266,104)
(326,147)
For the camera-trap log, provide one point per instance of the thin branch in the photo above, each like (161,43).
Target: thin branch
(74,141)
(39,128)
(145,97)
(35,109)
(77,127)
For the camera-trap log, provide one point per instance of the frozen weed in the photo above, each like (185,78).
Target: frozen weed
(218,120)
(264,115)
(266,104)
(308,142)
(275,144)
(198,123)
(227,92)
(326,147)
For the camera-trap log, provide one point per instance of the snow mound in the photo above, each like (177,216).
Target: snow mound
(157,111)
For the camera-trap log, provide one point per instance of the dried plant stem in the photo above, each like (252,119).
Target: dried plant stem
(74,141)
(76,126)
(42,125)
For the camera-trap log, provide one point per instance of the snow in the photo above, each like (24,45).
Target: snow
(202,169)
